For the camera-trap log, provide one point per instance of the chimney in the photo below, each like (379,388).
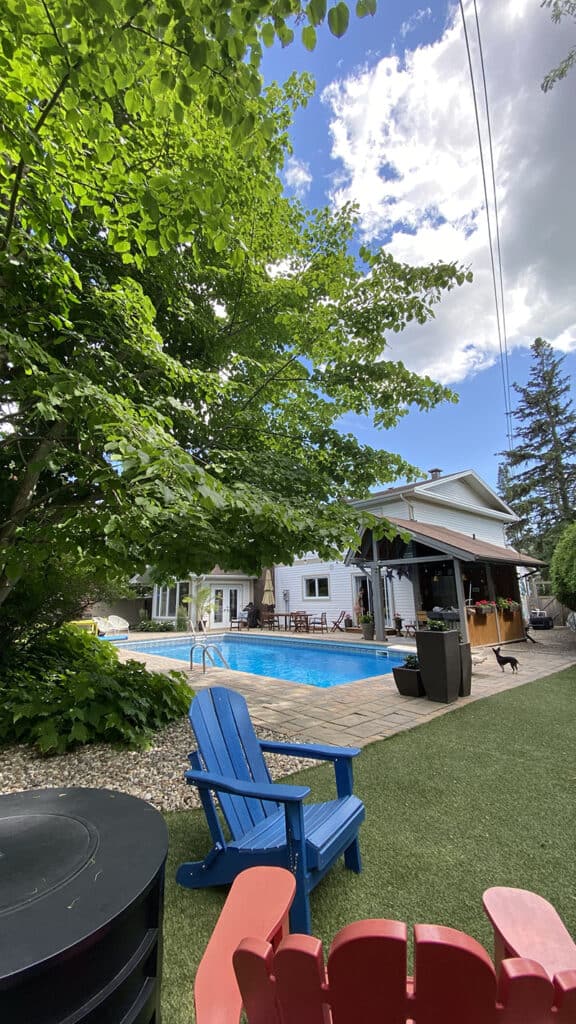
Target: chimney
(435,473)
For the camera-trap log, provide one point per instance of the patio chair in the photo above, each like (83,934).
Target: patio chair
(268,823)
(268,620)
(337,623)
(300,622)
(318,624)
(526,925)
(240,622)
(118,624)
(284,980)
(103,625)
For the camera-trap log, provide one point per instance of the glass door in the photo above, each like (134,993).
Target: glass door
(225,601)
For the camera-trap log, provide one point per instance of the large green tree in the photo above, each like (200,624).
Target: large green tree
(563,567)
(178,341)
(538,476)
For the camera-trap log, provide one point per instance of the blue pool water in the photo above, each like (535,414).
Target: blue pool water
(315,663)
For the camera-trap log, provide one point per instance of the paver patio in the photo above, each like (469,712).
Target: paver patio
(353,714)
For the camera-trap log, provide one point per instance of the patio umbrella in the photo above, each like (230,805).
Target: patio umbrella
(268,595)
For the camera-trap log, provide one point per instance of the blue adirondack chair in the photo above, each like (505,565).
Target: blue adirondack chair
(269,823)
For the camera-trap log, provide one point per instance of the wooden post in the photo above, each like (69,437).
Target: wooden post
(461,596)
(492,596)
(377,595)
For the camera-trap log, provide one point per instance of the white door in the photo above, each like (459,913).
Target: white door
(225,600)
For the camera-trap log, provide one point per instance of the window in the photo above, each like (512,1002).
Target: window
(166,600)
(316,586)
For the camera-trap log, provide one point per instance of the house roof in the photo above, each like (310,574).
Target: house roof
(460,545)
(431,490)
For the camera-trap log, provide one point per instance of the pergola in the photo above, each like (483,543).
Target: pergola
(437,559)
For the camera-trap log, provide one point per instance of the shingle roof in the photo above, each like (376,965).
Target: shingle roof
(460,545)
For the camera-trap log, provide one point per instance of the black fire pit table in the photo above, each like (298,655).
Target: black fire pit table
(81,889)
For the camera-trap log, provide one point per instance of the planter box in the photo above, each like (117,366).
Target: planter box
(367,630)
(484,609)
(408,682)
(439,657)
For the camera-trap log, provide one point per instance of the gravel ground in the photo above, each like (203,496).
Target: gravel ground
(155,775)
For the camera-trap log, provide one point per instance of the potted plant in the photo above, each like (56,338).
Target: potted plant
(367,626)
(485,607)
(439,658)
(507,605)
(407,677)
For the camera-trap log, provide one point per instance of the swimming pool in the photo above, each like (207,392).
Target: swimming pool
(316,663)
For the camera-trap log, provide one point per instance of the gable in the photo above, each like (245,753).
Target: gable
(466,491)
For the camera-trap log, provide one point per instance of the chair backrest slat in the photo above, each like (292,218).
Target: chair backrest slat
(365,980)
(228,746)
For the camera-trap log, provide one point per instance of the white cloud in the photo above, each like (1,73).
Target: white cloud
(404,138)
(421,15)
(298,176)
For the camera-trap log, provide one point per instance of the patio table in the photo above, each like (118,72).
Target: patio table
(287,616)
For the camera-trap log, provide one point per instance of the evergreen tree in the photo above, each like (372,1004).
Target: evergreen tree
(538,476)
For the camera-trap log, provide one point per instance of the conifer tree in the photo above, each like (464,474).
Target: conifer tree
(538,476)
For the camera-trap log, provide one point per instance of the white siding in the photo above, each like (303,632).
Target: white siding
(464,492)
(470,523)
(397,509)
(289,588)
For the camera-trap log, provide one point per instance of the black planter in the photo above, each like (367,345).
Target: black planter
(439,658)
(408,682)
(465,670)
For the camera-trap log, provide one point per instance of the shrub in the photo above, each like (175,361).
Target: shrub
(181,619)
(70,689)
(411,661)
(152,626)
(438,625)
(365,618)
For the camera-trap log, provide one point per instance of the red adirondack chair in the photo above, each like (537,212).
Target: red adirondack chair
(365,980)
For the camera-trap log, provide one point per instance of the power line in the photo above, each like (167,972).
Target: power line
(510,430)
(498,304)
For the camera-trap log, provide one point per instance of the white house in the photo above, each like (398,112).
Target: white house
(454,553)
(214,598)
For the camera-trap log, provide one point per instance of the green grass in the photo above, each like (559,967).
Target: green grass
(485,796)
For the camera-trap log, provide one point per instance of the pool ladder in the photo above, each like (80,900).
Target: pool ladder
(206,652)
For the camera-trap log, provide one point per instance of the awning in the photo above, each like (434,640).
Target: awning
(454,545)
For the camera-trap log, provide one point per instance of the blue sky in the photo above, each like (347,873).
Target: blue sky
(391,126)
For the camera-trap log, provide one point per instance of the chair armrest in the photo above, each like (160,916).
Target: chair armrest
(259,790)
(256,905)
(313,750)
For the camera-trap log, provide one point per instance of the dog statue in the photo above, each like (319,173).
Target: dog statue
(505,659)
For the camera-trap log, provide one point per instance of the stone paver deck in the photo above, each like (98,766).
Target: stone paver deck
(354,714)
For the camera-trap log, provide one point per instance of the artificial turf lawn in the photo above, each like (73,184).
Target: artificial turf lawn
(485,796)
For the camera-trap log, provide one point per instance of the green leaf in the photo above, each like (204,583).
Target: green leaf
(338,18)
(185,93)
(316,11)
(220,241)
(150,204)
(131,101)
(309,37)
(198,54)
(157,86)
(268,34)
(285,35)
